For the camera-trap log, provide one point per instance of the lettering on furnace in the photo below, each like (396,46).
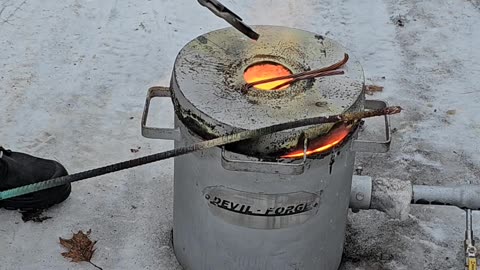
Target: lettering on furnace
(269,212)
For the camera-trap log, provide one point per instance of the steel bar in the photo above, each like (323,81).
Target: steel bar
(302,75)
(224,140)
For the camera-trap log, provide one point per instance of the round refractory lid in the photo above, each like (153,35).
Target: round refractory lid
(207,84)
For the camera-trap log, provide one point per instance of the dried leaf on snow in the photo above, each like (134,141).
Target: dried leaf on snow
(80,247)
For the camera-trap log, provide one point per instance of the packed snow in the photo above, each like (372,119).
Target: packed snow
(73,81)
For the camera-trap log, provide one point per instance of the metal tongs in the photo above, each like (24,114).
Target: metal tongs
(223,12)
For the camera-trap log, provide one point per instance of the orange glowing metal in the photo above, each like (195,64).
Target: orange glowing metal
(326,143)
(264,71)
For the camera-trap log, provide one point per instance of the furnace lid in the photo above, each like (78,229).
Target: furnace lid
(208,78)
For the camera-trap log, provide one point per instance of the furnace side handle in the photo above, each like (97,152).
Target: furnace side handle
(375,146)
(154,132)
(263,166)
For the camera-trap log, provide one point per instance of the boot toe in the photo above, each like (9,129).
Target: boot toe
(38,170)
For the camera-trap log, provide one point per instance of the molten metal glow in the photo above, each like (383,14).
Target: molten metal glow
(263,71)
(324,143)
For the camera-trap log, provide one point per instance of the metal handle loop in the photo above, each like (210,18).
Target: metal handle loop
(375,146)
(153,132)
(265,167)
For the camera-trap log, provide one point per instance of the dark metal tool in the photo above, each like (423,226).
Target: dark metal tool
(223,12)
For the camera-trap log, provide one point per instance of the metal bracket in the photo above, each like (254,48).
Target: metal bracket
(153,132)
(375,146)
(265,167)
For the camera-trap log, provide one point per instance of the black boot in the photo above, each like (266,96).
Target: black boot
(19,169)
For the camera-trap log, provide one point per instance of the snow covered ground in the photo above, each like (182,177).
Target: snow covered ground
(73,79)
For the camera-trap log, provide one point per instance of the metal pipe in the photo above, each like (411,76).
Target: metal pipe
(389,195)
(394,196)
(464,196)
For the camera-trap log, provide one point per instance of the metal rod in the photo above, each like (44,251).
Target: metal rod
(301,75)
(224,140)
